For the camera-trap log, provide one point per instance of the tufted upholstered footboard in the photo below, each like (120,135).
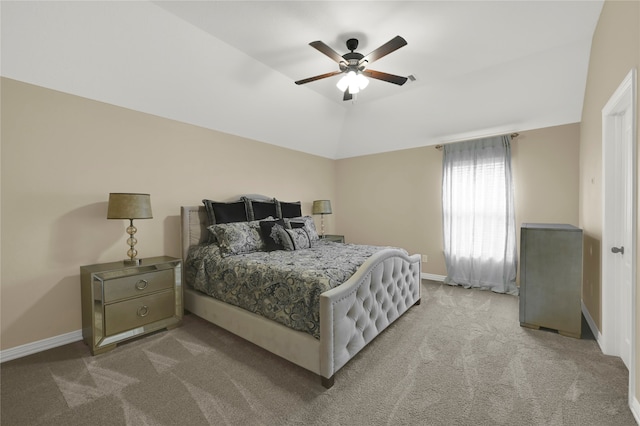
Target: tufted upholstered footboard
(354,313)
(351,315)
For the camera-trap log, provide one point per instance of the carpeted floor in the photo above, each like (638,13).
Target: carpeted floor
(459,358)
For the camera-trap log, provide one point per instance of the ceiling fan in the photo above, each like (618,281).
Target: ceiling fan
(353,66)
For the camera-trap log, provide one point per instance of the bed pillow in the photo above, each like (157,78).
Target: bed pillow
(287,210)
(238,237)
(225,212)
(218,212)
(294,239)
(270,235)
(305,222)
(259,210)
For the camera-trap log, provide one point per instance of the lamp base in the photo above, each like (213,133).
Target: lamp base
(132,262)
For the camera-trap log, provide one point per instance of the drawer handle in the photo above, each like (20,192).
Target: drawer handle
(142,284)
(143,311)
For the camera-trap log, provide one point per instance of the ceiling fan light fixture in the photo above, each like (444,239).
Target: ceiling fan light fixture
(352,80)
(363,81)
(342,84)
(345,81)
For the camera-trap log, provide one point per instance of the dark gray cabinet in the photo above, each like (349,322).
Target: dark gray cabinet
(551,277)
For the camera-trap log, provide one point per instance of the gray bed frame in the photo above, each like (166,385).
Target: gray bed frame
(351,315)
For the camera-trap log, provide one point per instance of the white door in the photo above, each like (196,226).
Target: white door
(621,252)
(619,225)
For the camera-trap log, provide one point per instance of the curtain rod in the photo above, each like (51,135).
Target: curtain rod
(440,146)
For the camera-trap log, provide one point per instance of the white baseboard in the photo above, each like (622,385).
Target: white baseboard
(40,345)
(635,409)
(432,277)
(592,324)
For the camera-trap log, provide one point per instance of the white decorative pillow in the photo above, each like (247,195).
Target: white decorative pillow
(238,237)
(294,239)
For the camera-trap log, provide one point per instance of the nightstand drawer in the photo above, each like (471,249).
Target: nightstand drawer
(139,311)
(138,285)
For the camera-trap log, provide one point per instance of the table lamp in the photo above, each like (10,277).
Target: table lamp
(130,206)
(321,207)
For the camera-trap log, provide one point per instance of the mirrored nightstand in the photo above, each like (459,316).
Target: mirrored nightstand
(120,302)
(335,238)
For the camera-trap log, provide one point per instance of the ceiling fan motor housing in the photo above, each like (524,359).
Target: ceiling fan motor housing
(352,44)
(353,58)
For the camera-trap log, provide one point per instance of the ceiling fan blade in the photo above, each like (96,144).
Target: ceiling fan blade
(347,96)
(392,45)
(318,77)
(323,48)
(390,78)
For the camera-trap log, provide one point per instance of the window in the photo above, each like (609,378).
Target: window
(478,215)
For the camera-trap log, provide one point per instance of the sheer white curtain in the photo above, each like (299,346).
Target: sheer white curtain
(478,215)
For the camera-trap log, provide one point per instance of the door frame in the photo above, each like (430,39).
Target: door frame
(623,99)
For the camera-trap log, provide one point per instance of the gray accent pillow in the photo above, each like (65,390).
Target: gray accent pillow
(294,239)
(305,222)
(238,237)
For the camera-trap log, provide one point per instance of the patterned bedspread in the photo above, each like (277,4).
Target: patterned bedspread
(284,286)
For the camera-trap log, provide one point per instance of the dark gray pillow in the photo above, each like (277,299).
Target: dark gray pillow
(270,235)
(218,212)
(259,210)
(289,209)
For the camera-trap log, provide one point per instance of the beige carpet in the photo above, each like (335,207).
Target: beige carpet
(459,358)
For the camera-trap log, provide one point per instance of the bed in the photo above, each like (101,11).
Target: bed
(350,315)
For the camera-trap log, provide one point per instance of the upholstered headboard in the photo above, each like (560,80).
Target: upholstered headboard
(193,222)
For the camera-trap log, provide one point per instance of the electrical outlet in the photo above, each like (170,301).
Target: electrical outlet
(424,258)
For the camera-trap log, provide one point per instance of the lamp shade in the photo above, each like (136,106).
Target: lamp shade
(321,207)
(129,206)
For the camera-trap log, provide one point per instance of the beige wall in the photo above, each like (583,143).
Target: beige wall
(546,172)
(395,198)
(62,155)
(614,52)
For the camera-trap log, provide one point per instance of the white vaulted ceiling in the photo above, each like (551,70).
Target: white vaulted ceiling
(481,67)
